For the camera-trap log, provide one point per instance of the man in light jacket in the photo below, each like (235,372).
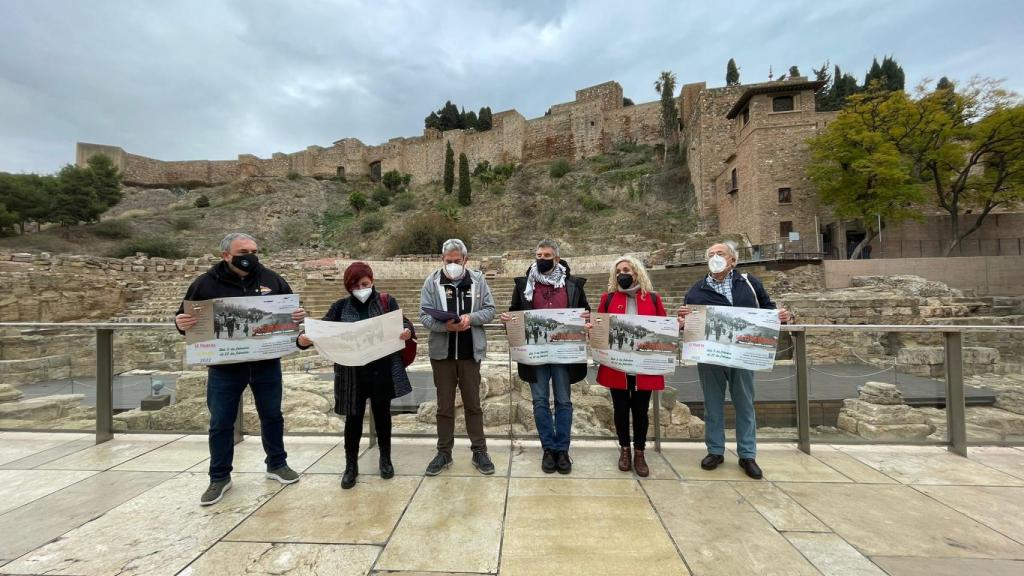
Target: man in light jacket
(456,349)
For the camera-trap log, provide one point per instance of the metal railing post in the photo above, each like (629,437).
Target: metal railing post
(239,422)
(803,403)
(104,385)
(657,421)
(956,410)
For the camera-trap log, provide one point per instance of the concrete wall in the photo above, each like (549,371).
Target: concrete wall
(986,275)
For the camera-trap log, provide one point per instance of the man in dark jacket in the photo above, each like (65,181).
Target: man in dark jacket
(723,286)
(240,274)
(548,285)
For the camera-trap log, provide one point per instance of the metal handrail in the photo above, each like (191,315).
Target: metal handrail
(953,347)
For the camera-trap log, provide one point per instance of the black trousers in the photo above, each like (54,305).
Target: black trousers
(380,404)
(631,402)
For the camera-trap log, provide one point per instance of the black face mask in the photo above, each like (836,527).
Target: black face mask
(245,262)
(545,266)
(625,281)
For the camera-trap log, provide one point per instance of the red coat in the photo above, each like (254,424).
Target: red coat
(648,304)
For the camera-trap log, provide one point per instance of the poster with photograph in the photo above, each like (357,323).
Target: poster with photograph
(735,337)
(232,330)
(635,344)
(552,336)
(357,343)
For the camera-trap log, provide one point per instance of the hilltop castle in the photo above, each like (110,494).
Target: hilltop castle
(745,147)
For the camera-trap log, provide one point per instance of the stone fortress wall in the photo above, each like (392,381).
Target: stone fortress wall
(589,125)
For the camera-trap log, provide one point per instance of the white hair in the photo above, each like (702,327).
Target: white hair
(730,247)
(454,244)
(225,244)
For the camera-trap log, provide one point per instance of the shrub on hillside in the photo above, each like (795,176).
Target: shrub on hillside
(203,201)
(560,168)
(114,229)
(293,175)
(152,246)
(382,196)
(372,223)
(183,223)
(424,234)
(404,202)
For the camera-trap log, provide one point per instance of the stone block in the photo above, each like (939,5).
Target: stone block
(893,431)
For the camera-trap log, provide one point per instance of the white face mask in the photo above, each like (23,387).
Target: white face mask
(717,264)
(363,294)
(454,270)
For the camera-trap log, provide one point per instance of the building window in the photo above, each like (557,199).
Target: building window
(745,115)
(784,229)
(785,195)
(782,104)
(733,184)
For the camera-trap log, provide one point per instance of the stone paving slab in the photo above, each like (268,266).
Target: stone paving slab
(563,526)
(317,510)
(265,559)
(34,524)
(895,520)
(707,520)
(159,532)
(457,517)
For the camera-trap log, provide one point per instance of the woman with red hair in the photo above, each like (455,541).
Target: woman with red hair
(379,381)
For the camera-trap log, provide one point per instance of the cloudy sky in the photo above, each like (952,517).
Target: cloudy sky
(210,79)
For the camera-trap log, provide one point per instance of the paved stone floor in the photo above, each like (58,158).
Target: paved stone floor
(130,506)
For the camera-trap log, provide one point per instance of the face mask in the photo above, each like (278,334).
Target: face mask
(454,270)
(625,281)
(545,266)
(717,264)
(363,294)
(245,262)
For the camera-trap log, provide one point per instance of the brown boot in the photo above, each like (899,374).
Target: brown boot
(640,465)
(625,458)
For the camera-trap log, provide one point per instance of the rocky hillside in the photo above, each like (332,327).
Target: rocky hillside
(624,200)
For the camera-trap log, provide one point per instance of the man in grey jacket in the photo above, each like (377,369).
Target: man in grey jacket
(456,349)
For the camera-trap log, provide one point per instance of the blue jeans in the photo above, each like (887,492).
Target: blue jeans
(713,381)
(554,433)
(224,387)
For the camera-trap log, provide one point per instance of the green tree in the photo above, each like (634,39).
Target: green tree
(28,196)
(666,85)
(968,146)
(8,220)
(944,84)
(859,172)
(627,102)
(357,200)
(106,180)
(450,116)
(465,191)
(794,71)
(449,169)
(469,120)
(484,121)
(732,73)
(889,74)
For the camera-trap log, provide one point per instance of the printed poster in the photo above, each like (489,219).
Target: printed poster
(243,329)
(357,343)
(728,336)
(548,336)
(635,344)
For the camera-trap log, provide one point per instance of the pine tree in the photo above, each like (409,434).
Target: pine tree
(449,169)
(484,119)
(465,192)
(732,73)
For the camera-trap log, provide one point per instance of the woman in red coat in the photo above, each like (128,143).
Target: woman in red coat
(630,292)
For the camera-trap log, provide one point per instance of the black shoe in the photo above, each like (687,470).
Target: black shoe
(284,475)
(751,468)
(348,478)
(386,469)
(215,492)
(440,462)
(711,461)
(564,462)
(482,462)
(547,464)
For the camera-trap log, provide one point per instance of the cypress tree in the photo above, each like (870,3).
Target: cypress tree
(449,169)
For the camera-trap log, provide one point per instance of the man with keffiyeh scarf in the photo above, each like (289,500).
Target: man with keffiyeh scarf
(548,285)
